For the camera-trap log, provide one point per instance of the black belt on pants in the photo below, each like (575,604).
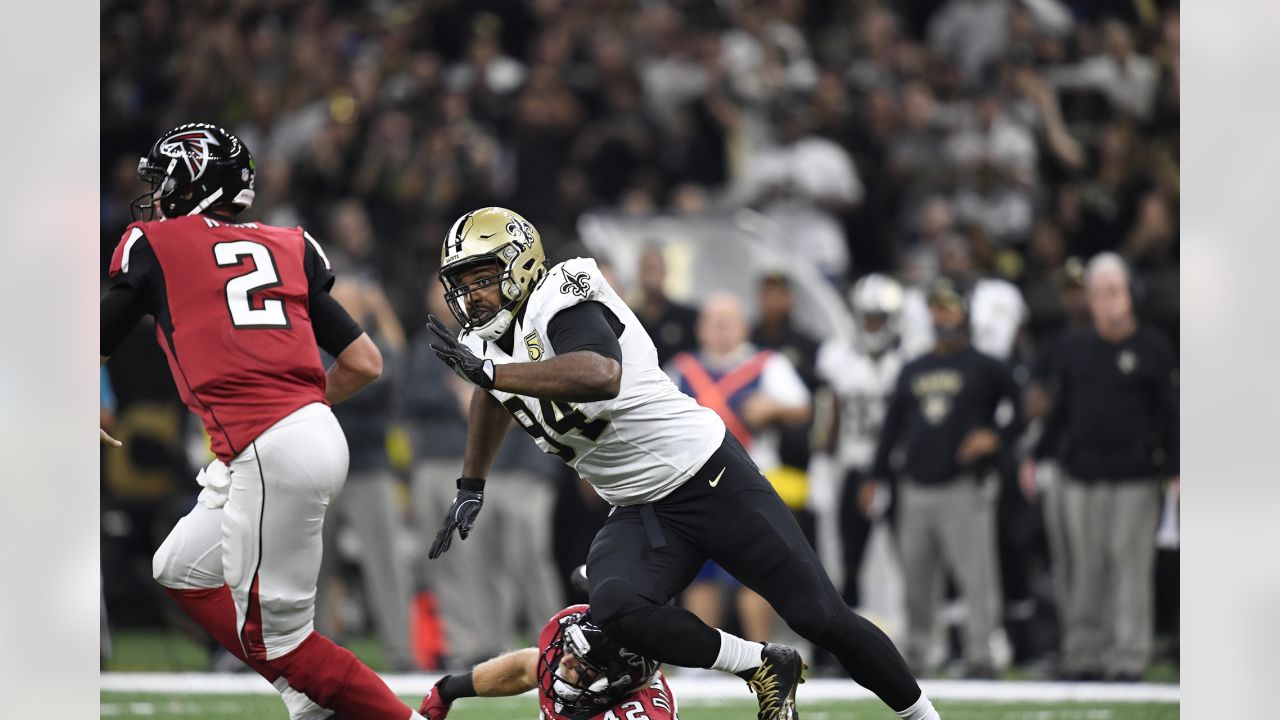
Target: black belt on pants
(652,529)
(714,465)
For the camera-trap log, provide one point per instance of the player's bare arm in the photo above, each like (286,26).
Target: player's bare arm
(578,377)
(511,674)
(581,376)
(359,364)
(487,426)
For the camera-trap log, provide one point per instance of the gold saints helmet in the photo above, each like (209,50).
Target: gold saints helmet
(510,244)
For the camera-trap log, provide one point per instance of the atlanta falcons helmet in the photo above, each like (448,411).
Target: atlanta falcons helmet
(607,672)
(194,167)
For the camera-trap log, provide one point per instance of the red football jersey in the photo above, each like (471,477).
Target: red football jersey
(231,303)
(655,702)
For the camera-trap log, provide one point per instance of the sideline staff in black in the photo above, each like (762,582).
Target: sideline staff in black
(952,411)
(1114,426)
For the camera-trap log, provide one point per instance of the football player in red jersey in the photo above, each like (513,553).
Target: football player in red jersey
(579,672)
(239,311)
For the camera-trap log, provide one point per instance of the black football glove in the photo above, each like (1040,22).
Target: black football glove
(458,357)
(461,516)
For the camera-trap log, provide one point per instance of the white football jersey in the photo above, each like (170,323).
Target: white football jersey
(863,386)
(634,448)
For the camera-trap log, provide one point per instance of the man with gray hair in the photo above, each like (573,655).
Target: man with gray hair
(1114,428)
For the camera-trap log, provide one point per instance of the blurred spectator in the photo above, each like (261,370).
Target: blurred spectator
(915,146)
(757,393)
(952,412)
(672,326)
(1129,80)
(518,589)
(777,331)
(805,183)
(995,158)
(972,33)
(1114,426)
(996,310)
(368,506)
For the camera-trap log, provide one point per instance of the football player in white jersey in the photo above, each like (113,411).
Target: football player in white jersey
(559,351)
(863,374)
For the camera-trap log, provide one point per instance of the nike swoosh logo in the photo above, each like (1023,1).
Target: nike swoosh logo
(486,237)
(716,482)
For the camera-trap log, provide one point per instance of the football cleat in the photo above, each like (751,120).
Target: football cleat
(775,681)
(433,706)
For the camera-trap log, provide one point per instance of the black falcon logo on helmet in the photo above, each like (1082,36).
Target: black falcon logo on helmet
(578,284)
(193,148)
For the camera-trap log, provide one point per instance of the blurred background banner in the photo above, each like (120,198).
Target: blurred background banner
(767,156)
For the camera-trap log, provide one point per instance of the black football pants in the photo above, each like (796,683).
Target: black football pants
(647,554)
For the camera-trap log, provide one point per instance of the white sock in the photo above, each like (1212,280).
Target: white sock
(737,654)
(413,715)
(921,709)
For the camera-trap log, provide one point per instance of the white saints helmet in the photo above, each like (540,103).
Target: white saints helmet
(877,306)
(501,238)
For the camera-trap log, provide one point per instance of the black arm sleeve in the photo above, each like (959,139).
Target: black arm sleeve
(127,298)
(335,329)
(122,307)
(586,326)
(319,275)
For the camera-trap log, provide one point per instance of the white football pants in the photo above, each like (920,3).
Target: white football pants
(264,541)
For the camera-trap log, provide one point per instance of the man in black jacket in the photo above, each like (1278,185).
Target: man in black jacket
(1114,427)
(953,410)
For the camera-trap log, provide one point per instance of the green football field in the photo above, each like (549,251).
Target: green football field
(269,707)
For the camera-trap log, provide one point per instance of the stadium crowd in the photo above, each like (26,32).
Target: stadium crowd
(977,140)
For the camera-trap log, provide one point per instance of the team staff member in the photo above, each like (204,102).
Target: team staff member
(759,395)
(558,350)
(1114,426)
(952,411)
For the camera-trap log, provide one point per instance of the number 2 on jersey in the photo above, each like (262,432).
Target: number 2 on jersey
(241,288)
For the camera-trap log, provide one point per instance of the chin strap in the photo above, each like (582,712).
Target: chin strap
(206,202)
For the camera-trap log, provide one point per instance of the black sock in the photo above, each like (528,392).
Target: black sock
(453,687)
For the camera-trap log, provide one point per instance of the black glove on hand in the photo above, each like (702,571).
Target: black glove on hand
(458,357)
(462,515)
